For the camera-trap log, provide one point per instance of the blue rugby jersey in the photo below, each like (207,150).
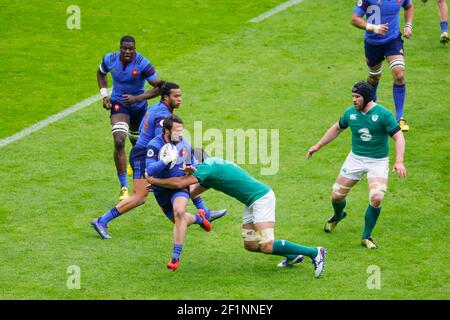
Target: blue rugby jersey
(381,12)
(151,124)
(128,78)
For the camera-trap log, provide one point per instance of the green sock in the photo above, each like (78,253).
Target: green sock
(371,218)
(292,250)
(339,209)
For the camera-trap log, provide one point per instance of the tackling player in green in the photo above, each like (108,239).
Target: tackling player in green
(259,212)
(371,125)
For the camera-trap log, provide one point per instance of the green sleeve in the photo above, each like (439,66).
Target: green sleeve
(202,173)
(390,123)
(343,123)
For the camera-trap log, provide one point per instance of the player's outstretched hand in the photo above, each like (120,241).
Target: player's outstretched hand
(188,169)
(129,100)
(312,150)
(400,168)
(107,103)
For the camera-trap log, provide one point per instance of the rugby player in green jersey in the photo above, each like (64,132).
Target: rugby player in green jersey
(371,125)
(259,212)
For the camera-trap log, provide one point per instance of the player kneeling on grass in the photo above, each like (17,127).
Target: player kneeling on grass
(371,124)
(259,212)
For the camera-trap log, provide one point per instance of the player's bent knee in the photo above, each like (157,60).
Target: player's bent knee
(251,246)
(376,193)
(266,247)
(265,238)
(339,191)
(249,235)
(179,214)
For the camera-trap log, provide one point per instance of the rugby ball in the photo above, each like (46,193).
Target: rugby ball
(168,147)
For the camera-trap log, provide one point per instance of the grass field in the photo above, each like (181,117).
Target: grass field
(292,72)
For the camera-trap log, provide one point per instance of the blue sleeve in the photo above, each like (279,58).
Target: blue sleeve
(361,7)
(105,65)
(158,125)
(148,71)
(406,4)
(152,164)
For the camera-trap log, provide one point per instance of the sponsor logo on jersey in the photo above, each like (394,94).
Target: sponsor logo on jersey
(116,107)
(183,152)
(134,72)
(353,117)
(374,117)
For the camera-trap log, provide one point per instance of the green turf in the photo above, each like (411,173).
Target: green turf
(292,72)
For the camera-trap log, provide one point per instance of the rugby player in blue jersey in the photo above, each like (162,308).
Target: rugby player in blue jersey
(150,127)
(129,70)
(382,40)
(173,202)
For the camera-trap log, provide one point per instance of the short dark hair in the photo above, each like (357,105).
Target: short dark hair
(169,120)
(200,155)
(127,39)
(166,87)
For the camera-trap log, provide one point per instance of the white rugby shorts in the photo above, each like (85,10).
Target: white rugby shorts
(355,167)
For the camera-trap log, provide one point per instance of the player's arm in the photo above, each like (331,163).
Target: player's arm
(329,136)
(409,15)
(153,165)
(358,21)
(399,153)
(172,183)
(103,86)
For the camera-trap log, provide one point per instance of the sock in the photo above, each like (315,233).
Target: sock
(339,209)
(371,218)
(399,92)
(375,87)
(177,247)
(110,215)
(289,249)
(199,204)
(444,26)
(198,219)
(123,179)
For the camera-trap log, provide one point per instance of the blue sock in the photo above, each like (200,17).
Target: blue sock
(375,87)
(198,219)
(444,26)
(399,92)
(177,251)
(110,215)
(123,179)
(199,204)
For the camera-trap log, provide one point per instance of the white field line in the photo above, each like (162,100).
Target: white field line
(56,117)
(275,10)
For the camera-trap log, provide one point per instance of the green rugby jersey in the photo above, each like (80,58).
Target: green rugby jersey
(370,131)
(231,179)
